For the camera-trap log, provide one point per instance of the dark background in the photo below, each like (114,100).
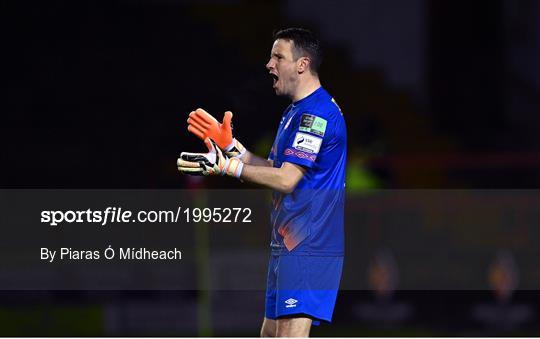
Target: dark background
(436,93)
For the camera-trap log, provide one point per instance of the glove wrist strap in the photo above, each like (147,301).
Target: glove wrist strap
(233,167)
(235,149)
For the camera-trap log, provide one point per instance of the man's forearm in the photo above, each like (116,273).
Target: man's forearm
(283,179)
(252,159)
(266,176)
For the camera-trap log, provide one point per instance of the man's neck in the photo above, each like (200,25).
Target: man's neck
(306,88)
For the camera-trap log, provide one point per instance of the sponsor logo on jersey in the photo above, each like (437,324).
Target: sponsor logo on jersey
(307,143)
(290,302)
(313,124)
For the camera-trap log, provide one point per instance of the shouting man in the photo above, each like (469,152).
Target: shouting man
(306,170)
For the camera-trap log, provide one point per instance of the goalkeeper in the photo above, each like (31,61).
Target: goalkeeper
(306,170)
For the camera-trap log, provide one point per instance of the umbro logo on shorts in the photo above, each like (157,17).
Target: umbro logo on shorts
(290,302)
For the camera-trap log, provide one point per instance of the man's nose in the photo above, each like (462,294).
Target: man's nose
(269,65)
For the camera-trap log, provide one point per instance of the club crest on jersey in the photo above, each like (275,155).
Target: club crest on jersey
(307,143)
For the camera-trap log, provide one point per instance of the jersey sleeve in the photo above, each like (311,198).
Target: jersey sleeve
(271,154)
(305,139)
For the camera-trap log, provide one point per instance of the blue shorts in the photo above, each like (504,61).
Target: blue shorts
(302,285)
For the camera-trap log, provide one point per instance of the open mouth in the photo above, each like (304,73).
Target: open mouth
(275,78)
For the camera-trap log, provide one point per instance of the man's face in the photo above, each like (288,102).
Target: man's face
(283,67)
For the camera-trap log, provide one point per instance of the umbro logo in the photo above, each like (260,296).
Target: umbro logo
(290,302)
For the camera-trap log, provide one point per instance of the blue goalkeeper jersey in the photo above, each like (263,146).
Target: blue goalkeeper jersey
(309,221)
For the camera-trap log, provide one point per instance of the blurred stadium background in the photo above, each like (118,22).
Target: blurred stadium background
(437,94)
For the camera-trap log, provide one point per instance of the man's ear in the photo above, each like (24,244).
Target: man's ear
(303,64)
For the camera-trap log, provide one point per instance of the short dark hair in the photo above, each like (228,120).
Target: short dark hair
(305,44)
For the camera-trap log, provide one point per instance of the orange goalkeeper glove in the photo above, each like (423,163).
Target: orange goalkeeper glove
(212,163)
(204,125)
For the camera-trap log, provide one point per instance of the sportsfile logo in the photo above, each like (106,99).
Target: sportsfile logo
(290,302)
